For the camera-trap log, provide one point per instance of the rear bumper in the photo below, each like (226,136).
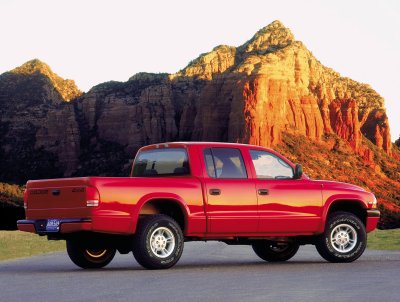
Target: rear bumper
(112,224)
(67,225)
(372,220)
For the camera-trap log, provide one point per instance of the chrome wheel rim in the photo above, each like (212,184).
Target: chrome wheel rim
(343,238)
(162,242)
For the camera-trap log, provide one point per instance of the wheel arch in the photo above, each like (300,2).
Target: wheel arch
(171,205)
(354,206)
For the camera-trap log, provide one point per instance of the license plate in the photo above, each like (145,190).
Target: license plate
(53,225)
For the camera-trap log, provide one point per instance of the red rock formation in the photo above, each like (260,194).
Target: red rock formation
(283,88)
(344,121)
(264,117)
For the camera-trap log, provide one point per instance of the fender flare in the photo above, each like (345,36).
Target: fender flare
(337,198)
(154,196)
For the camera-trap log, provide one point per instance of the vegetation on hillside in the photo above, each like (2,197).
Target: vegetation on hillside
(11,205)
(11,195)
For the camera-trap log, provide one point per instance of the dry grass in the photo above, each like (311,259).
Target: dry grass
(16,244)
(384,240)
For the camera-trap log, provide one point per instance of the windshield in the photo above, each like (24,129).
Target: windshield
(161,162)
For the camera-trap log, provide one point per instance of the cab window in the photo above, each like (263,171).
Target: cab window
(161,162)
(225,163)
(269,166)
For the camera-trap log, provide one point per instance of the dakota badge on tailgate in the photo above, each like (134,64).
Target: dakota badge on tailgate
(38,191)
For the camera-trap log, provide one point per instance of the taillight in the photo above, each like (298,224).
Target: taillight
(25,199)
(92,197)
(92,203)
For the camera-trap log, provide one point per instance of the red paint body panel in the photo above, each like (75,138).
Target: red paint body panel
(291,207)
(235,209)
(372,223)
(27,228)
(76,227)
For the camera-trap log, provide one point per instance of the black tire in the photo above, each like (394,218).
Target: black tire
(89,256)
(275,252)
(335,246)
(158,242)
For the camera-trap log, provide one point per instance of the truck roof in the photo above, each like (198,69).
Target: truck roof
(205,144)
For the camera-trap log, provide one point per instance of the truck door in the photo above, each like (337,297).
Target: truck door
(231,197)
(285,205)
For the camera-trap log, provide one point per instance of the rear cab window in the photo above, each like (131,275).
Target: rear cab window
(224,163)
(161,162)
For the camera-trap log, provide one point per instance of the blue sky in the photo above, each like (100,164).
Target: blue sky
(97,41)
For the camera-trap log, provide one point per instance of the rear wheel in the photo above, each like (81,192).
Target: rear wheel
(344,239)
(275,251)
(89,256)
(158,243)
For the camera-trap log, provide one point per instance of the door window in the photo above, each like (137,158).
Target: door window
(224,163)
(269,166)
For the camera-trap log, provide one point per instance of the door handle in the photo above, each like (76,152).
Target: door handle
(215,191)
(263,192)
(56,192)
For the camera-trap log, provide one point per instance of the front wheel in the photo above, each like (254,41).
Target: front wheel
(274,251)
(89,256)
(158,243)
(344,239)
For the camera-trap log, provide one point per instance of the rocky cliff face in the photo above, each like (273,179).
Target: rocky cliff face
(273,84)
(259,93)
(38,129)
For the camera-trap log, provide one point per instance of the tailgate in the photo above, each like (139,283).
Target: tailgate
(58,198)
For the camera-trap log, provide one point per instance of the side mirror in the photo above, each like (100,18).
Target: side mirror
(298,171)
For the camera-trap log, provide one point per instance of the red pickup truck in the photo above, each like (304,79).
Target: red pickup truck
(186,191)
